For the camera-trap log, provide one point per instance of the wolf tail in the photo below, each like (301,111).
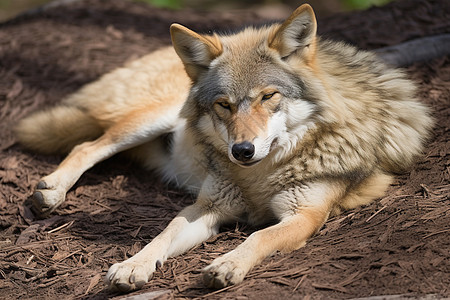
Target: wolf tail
(57,130)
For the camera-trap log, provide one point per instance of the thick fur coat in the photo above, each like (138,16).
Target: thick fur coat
(267,124)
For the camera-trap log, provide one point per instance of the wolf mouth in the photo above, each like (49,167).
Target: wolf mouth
(249,164)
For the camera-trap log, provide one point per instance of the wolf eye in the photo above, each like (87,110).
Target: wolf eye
(224,104)
(268,96)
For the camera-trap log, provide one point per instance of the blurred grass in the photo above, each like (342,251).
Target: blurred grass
(11,8)
(363,4)
(348,4)
(172,4)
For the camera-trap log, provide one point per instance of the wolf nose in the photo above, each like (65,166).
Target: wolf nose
(243,151)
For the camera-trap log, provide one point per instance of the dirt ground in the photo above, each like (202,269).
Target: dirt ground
(399,245)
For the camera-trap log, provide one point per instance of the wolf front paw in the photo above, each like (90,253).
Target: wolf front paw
(127,276)
(223,272)
(47,198)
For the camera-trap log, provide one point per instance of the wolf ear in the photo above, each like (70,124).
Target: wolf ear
(196,51)
(298,32)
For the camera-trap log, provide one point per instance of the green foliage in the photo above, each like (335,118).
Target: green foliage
(172,4)
(363,4)
(178,4)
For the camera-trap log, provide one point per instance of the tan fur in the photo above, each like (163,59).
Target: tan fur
(159,83)
(371,188)
(57,130)
(270,123)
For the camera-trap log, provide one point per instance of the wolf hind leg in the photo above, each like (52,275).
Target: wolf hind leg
(365,192)
(136,128)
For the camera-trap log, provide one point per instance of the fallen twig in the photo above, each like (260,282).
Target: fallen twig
(300,282)
(329,287)
(376,213)
(68,224)
(219,291)
(68,255)
(435,233)
(93,282)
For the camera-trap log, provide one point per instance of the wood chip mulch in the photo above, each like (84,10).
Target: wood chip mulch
(398,245)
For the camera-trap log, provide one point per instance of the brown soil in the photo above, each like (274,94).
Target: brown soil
(397,245)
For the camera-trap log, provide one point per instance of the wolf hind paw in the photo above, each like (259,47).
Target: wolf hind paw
(46,199)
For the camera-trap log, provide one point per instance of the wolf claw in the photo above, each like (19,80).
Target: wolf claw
(45,199)
(127,276)
(222,274)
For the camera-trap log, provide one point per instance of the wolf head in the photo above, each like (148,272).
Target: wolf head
(248,97)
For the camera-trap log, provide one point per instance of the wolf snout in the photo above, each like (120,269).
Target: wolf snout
(243,151)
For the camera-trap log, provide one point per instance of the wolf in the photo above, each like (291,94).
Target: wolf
(268,125)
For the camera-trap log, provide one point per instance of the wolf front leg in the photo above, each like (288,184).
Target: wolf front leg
(218,202)
(192,226)
(302,211)
(132,130)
